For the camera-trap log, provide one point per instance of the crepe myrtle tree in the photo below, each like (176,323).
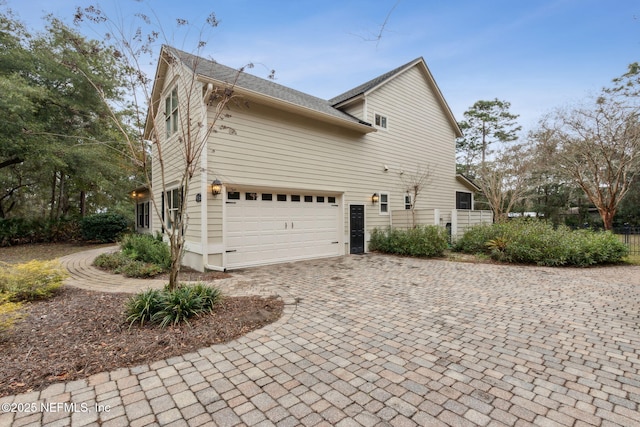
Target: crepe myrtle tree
(413,184)
(506,179)
(144,121)
(596,146)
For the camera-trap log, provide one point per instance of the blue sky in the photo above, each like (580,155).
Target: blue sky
(536,54)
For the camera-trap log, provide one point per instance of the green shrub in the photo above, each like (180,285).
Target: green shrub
(32,280)
(9,312)
(139,269)
(17,231)
(111,261)
(538,242)
(475,239)
(422,241)
(171,307)
(104,227)
(146,248)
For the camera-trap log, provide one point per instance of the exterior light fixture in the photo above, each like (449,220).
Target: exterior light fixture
(374,198)
(216,187)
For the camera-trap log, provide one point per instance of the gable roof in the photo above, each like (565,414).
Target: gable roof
(289,99)
(264,89)
(373,84)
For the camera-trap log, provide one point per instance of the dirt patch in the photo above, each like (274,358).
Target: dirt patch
(79,333)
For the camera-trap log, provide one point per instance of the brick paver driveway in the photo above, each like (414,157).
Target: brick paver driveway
(379,340)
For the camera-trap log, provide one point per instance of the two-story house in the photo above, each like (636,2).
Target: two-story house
(296,177)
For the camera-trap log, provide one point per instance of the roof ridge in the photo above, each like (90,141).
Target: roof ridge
(213,69)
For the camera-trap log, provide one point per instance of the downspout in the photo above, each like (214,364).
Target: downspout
(204,185)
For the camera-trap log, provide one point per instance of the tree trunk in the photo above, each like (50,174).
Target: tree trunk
(60,197)
(83,204)
(607,218)
(52,203)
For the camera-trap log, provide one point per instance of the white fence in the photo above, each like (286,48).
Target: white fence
(459,220)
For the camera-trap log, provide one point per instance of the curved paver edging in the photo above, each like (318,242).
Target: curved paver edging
(381,340)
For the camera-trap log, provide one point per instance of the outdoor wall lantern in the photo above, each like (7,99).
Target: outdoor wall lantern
(374,198)
(216,187)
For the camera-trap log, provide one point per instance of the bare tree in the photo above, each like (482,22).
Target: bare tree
(176,127)
(505,180)
(597,147)
(413,184)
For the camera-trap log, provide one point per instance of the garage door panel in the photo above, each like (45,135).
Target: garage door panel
(263,232)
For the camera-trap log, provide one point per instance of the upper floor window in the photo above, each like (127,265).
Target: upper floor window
(380,121)
(384,203)
(171,112)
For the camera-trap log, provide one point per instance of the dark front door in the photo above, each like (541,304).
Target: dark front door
(356,225)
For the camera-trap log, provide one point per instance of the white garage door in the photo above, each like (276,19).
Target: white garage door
(266,228)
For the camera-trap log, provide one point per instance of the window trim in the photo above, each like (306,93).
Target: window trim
(384,121)
(470,196)
(169,200)
(408,201)
(386,203)
(171,112)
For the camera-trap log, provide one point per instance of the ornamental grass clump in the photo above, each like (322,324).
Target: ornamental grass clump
(170,307)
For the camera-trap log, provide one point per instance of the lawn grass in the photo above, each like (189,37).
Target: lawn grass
(42,251)
(633,242)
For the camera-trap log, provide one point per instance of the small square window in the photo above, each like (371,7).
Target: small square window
(266,196)
(251,196)
(331,199)
(320,199)
(233,195)
(282,197)
(295,198)
(308,199)
(380,121)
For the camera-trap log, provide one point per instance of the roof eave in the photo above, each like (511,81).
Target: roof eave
(358,97)
(294,108)
(468,182)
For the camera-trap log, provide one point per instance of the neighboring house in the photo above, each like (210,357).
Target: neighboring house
(302,177)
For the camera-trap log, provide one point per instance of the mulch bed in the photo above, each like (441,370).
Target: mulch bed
(79,333)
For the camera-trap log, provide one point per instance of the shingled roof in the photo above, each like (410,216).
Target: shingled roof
(288,98)
(371,83)
(213,70)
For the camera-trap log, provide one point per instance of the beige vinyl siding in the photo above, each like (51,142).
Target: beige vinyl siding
(418,136)
(189,107)
(278,149)
(274,150)
(356,110)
